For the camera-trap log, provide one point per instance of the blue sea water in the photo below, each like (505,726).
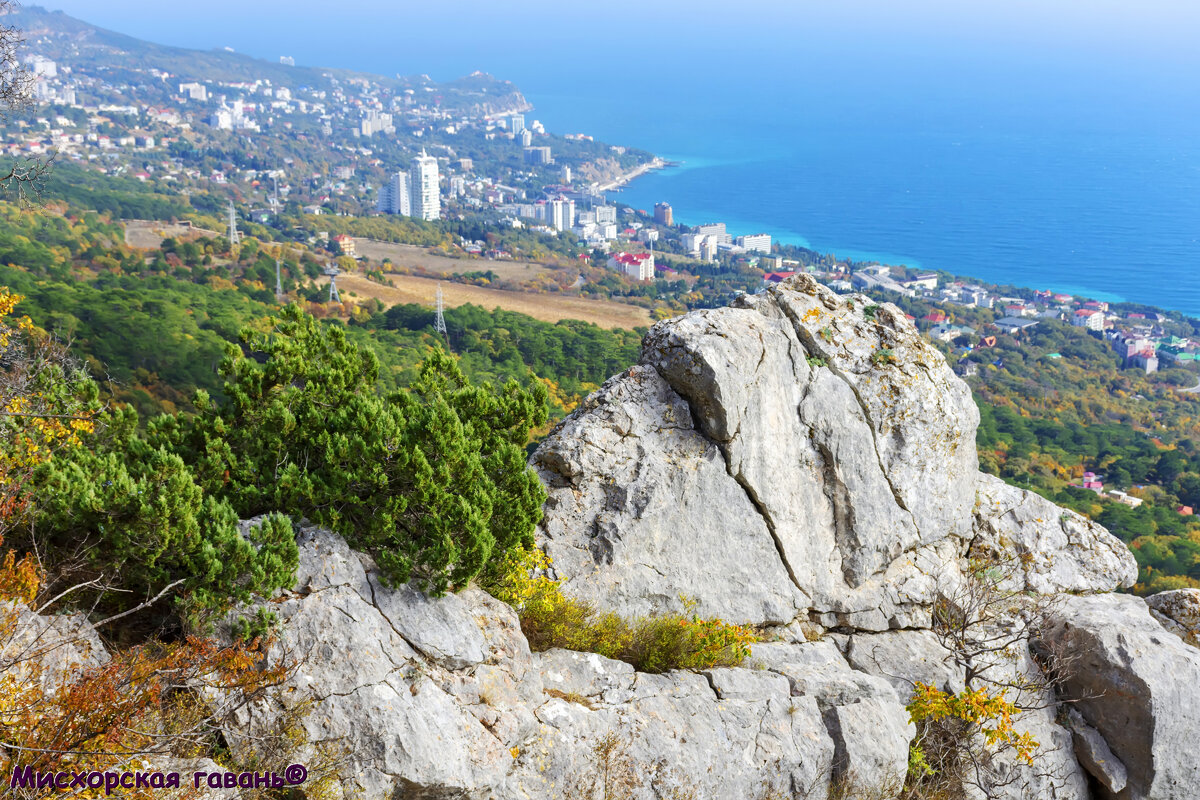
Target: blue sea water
(1052,144)
(1095,197)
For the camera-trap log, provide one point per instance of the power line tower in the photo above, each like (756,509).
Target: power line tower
(235,238)
(439,323)
(332,271)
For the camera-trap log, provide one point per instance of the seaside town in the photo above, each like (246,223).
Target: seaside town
(391,149)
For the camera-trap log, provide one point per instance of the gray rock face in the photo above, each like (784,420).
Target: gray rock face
(1136,685)
(55,648)
(1179,612)
(823,441)
(642,511)
(1049,548)
(441,698)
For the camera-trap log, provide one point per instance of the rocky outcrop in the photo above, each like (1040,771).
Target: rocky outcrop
(1048,548)
(798,454)
(1136,685)
(441,698)
(800,462)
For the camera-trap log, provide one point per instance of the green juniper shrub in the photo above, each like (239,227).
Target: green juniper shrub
(128,514)
(431,481)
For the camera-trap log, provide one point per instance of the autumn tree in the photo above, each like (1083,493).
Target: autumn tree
(47,401)
(969,742)
(67,708)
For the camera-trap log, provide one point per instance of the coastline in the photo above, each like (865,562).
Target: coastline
(863,259)
(627,177)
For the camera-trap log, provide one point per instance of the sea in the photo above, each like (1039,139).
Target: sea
(1023,148)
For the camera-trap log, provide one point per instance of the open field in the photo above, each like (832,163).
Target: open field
(546,307)
(407,255)
(144,234)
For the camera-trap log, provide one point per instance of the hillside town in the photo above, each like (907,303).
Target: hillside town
(325,142)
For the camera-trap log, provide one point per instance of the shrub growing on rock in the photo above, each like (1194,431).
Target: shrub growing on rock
(550,619)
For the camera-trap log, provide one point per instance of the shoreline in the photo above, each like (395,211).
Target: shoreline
(863,259)
(625,178)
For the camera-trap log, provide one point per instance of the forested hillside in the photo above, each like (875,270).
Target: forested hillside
(152,326)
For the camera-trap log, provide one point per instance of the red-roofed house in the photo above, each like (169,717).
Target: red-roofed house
(639,266)
(937,317)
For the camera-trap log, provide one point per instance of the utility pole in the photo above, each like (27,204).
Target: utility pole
(332,271)
(439,323)
(235,238)
(278,279)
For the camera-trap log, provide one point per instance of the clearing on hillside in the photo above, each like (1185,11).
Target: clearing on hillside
(143,234)
(408,255)
(546,307)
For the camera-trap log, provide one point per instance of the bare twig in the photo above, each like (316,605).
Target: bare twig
(140,606)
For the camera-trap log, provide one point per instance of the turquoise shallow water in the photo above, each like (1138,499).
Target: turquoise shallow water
(1115,216)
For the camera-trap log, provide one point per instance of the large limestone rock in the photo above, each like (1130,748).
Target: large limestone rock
(441,698)
(642,511)
(1136,685)
(796,454)
(823,442)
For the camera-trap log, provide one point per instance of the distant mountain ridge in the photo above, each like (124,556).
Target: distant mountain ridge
(61,37)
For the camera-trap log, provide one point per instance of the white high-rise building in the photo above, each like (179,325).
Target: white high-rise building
(517,123)
(42,67)
(716,229)
(394,196)
(424,194)
(755,243)
(374,122)
(606,214)
(194,91)
(560,213)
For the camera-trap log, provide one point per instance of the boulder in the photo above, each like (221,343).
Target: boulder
(1135,684)
(1179,612)
(817,442)
(1046,548)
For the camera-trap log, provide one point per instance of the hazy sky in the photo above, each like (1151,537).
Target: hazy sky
(1077,61)
(454,33)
